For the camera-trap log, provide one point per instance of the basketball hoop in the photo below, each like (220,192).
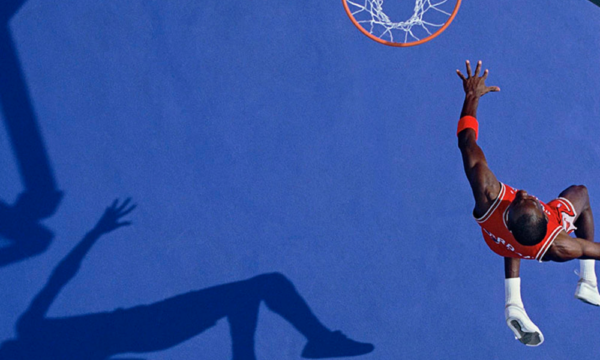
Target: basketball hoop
(429,19)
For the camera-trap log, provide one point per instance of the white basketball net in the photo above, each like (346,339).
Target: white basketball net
(371,16)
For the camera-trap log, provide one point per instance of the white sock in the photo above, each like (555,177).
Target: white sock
(512,290)
(588,271)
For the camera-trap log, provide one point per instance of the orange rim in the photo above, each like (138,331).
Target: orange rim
(414,43)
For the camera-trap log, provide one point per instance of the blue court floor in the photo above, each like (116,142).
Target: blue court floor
(274,138)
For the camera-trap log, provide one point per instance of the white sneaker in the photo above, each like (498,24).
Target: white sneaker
(587,292)
(524,329)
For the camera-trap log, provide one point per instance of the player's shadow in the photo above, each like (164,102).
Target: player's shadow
(164,324)
(20,229)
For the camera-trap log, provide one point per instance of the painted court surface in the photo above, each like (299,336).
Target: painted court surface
(260,137)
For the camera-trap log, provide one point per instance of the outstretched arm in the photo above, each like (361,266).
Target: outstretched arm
(69,266)
(483,182)
(565,248)
(485,189)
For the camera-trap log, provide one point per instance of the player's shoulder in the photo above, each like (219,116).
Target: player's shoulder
(496,189)
(493,191)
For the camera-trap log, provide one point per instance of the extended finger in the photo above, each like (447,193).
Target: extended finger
(491,89)
(478,68)
(124,204)
(460,75)
(125,212)
(468,68)
(124,223)
(113,205)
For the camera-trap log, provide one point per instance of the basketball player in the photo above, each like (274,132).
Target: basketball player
(517,225)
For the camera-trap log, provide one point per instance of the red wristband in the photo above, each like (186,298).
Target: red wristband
(468,122)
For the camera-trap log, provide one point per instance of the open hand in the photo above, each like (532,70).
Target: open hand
(475,84)
(110,219)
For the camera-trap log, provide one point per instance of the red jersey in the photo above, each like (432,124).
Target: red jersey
(561,215)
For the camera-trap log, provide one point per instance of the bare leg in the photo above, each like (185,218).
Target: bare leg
(587,288)
(584,220)
(565,248)
(514,310)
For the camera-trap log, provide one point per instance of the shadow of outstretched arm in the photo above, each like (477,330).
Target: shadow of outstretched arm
(167,323)
(68,267)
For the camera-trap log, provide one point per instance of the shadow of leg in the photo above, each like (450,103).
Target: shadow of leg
(167,323)
(242,322)
(281,297)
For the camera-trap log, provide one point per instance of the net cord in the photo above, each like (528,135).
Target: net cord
(378,18)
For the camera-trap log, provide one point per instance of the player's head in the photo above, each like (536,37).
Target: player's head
(526,219)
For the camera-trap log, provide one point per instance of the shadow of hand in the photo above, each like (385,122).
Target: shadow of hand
(110,219)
